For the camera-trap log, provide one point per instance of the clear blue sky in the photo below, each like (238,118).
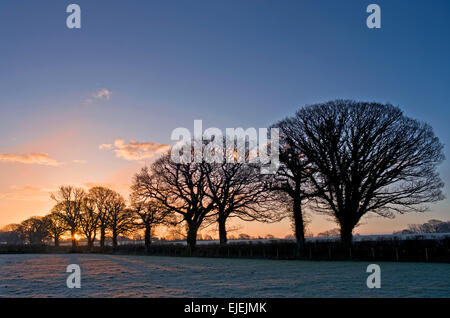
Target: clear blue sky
(230,63)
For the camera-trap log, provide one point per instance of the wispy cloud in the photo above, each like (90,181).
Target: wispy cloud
(135,150)
(26,193)
(102,94)
(31,158)
(105,146)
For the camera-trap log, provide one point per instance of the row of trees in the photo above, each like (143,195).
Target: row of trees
(101,211)
(432,226)
(199,194)
(78,212)
(343,159)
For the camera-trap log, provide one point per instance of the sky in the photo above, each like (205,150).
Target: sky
(93,105)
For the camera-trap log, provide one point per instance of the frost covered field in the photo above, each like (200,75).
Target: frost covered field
(44,275)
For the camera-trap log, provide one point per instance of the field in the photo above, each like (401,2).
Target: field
(44,275)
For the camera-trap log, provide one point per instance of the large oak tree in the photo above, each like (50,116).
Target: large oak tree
(366,158)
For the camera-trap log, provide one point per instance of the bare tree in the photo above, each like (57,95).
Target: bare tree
(89,219)
(332,232)
(69,201)
(181,189)
(12,234)
(149,213)
(291,182)
(244,236)
(369,157)
(101,197)
(56,226)
(238,191)
(432,226)
(119,217)
(35,229)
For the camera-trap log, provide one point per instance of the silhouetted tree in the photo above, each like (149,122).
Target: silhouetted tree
(368,157)
(56,226)
(332,232)
(119,217)
(11,234)
(101,198)
(244,236)
(89,219)
(432,226)
(292,180)
(238,191)
(148,212)
(35,229)
(69,202)
(181,189)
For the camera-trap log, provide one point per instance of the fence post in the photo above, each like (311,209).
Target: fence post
(310,252)
(373,253)
(396,253)
(277,253)
(426,254)
(329,253)
(350,249)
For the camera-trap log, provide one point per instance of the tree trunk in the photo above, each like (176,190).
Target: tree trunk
(56,241)
(114,240)
(192,237)
(299,226)
(346,235)
(90,243)
(148,237)
(102,237)
(222,231)
(74,241)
